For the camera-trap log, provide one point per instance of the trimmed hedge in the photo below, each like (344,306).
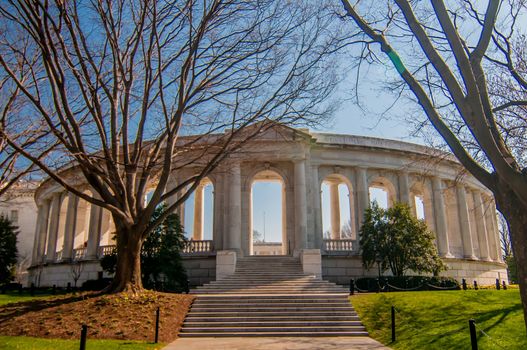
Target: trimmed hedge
(405,283)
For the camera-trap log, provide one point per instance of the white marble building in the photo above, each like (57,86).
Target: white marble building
(19,206)
(455,206)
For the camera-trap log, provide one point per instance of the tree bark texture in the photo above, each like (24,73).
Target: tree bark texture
(127,276)
(516,215)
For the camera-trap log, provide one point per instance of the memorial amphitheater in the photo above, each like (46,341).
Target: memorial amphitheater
(460,211)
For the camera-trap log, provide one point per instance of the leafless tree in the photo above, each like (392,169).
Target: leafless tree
(76,269)
(116,84)
(447,55)
(346,231)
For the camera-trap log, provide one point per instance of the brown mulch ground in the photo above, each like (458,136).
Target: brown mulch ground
(113,316)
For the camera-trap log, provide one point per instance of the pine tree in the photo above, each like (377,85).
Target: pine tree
(8,249)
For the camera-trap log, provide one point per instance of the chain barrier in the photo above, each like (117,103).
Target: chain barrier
(404,289)
(494,341)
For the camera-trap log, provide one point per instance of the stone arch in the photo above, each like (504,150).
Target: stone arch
(200,209)
(267,174)
(335,181)
(249,179)
(386,185)
(421,187)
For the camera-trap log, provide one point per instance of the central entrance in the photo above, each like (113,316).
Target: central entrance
(267,219)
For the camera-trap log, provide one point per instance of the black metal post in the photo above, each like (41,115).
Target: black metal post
(393,323)
(504,286)
(378,285)
(20,288)
(54,289)
(187,286)
(476,285)
(68,287)
(157,326)
(473,337)
(84,334)
(352,286)
(32,289)
(464,284)
(497,284)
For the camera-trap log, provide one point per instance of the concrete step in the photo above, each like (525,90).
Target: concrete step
(278,334)
(271,296)
(236,329)
(311,313)
(274,323)
(269,309)
(251,318)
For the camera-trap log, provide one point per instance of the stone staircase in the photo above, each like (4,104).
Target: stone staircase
(271,296)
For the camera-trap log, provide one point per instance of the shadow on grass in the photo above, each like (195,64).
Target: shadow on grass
(20,308)
(499,316)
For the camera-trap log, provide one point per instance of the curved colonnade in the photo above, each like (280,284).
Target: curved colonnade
(455,206)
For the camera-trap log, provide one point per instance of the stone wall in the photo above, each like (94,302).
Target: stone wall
(59,274)
(200,269)
(340,269)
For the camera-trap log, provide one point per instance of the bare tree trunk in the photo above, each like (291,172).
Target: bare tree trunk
(127,276)
(516,214)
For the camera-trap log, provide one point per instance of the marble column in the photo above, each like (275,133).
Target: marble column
(41,232)
(334,201)
(285,241)
(51,251)
(217,217)
(94,232)
(300,205)
(234,232)
(440,218)
(492,232)
(464,222)
(481,227)
(404,189)
(197,232)
(317,208)
(363,200)
(70,229)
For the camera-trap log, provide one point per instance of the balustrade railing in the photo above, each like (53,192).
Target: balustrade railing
(105,250)
(197,247)
(79,253)
(338,245)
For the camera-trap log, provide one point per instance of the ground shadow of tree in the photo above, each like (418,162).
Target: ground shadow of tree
(11,310)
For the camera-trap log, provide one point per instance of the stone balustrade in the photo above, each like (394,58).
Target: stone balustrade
(194,247)
(338,245)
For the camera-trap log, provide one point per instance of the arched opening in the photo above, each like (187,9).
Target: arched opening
(382,191)
(338,219)
(198,212)
(267,219)
(419,205)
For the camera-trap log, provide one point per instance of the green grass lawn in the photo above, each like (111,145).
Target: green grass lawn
(439,320)
(28,343)
(14,297)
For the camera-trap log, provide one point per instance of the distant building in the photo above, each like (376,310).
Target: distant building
(18,204)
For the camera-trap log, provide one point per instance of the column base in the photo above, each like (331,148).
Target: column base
(448,256)
(470,257)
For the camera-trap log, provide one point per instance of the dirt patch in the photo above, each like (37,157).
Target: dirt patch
(115,316)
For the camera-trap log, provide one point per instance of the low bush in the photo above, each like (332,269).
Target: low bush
(405,283)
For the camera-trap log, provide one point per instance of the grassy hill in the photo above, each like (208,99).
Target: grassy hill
(439,320)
